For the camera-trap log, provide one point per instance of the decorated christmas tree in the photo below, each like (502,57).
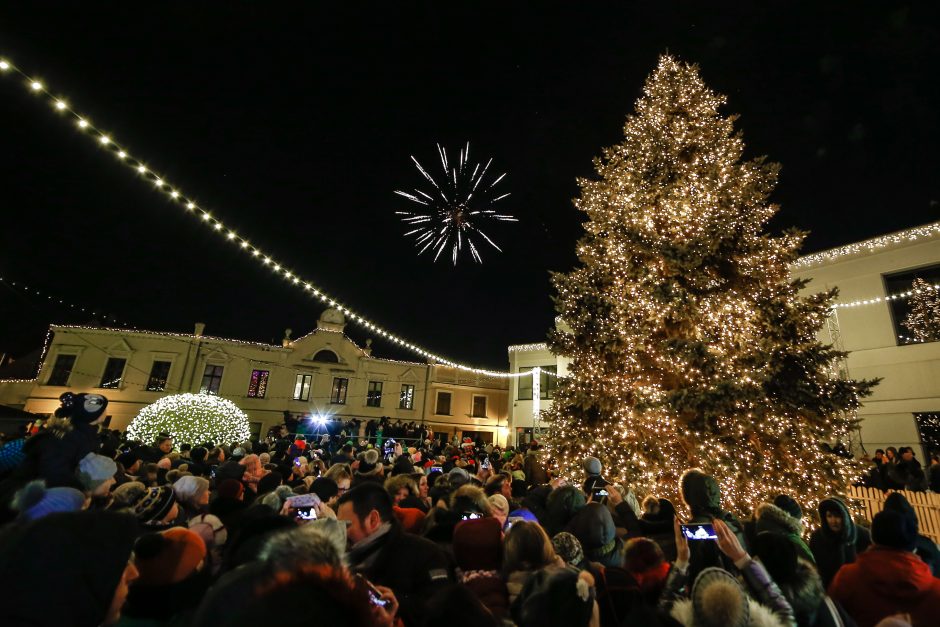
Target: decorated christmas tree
(923,321)
(191,418)
(688,343)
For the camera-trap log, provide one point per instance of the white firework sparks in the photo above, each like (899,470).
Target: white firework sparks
(454,207)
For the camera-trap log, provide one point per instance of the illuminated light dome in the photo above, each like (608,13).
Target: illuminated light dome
(191,418)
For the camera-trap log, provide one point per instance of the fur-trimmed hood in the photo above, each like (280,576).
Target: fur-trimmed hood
(772,518)
(804,591)
(760,616)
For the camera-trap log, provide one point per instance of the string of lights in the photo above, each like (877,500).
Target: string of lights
(870,245)
(30,291)
(161,184)
(883,299)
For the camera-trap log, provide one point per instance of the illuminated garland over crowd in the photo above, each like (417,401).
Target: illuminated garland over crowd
(689,345)
(160,183)
(191,418)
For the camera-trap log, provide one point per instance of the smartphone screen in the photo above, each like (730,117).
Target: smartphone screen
(306,513)
(700,531)
(376,599)
(471,516)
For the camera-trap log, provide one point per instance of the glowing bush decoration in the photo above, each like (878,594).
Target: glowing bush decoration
(191,418)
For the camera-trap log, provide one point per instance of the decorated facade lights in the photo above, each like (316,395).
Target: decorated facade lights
(883,299)
(869,246)
(112,145)
(52,299)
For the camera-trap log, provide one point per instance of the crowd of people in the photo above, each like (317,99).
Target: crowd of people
(99,530)
(899,469)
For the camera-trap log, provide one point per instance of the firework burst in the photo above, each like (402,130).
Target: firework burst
(454,208)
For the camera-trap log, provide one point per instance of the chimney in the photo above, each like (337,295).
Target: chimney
(286,341)
(200,328)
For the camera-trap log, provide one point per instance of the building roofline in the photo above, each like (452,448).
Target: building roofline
(186,336)
(528,348)
(869,246)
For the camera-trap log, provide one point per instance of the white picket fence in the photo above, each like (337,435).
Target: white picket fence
(926,504)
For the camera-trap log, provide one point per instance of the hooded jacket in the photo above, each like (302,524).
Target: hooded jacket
(774,519)
(594,528)
(703,496)
(884,581)
(833,550)
(63,569)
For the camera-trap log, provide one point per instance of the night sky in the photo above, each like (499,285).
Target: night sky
(294,124)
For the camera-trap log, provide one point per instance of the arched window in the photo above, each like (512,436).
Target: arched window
(327,356)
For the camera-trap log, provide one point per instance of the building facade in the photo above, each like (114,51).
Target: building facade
(905,407)
(323,374)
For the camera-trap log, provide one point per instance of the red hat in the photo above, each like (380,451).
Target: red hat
(169,556)
(478,544)
(411,518)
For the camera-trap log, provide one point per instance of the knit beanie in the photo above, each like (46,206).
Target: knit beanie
(152,506)
(592,465)
(410,518)
(190,489)
(168,557)
(164,463)
(369,462)
(898,503)
(11,454)
(458,477)
(890,528)
(210,529)
(94,469)
(790,506)
(268,482)
(231,489)
(275,500)
(499,504)
(478,544)
(81,408)
(34,500)
(568,548)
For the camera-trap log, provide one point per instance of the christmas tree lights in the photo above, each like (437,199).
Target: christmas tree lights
(689,344)
(923,321)
(191,418)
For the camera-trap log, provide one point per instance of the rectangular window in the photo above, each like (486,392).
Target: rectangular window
(407,399)
(258,384)
(443,404)
(62,370)
(302,387)
(479,406)
(211,379)
(338,394)
(547,384)
(374,395)
(916,317)
(159,373)
(113,371)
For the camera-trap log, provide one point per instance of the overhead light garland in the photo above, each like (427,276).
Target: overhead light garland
(124,156)
(53,299)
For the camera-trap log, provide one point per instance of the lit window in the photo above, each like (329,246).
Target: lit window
(407,399)
(258,384)
(302,387)
(159,373)
(338,395)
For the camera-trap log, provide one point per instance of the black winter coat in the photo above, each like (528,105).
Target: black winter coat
(413,567)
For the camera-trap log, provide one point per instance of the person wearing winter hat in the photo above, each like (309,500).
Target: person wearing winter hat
(645,562)
(799,581)
(499,507)
(478,552)
(275,499)
(559,598)
(594,528)
(172,578)
(369,469)
(770,517)
(83,561)
(703,496)
(306,544)
(192,493)
(888,578)
(924,547)
(156,508)
(569,549)
(717,599)
(35,500)
(838,540)
(269,482)
(96,474)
